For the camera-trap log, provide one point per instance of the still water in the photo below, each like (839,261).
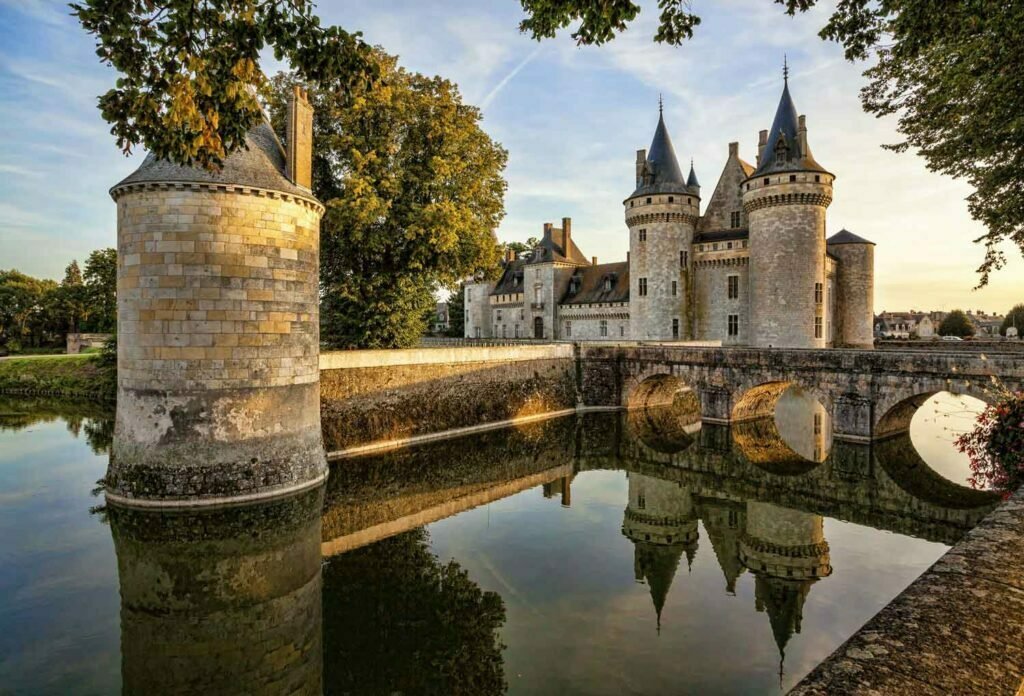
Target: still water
(608,554)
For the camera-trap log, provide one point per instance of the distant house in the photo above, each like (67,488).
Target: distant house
(985,324)
(912,324)
(441,322)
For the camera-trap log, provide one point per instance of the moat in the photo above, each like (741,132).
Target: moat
(617,553)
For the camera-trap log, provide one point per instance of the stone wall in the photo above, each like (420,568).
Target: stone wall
(369,396)
(76,342)
(855,289)
(218,337)
(586,321)
(712,305)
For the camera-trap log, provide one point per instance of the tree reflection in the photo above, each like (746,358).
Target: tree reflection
(397,620)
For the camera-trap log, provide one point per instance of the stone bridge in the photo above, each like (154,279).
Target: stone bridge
(869,394)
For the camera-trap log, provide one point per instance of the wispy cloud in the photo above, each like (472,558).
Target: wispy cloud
(496,90)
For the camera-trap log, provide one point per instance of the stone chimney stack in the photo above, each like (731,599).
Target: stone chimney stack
(593,260)
(641,161)
(734,150)
(510,255)
(762,140)
(801,135)
(299,134)
(547,231)
(566,234)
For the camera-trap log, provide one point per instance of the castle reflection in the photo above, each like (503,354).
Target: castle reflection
(340,590)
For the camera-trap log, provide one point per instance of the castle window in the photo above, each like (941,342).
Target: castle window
(683,258)
(729,245)
(817,177)
(568,329)
(648,201)
(744,244)
(476,331)
(604,327)
(622,330)
(819,293)
(748,186)
(675,286)
(521,314)
(817,424)
(817,327)
(734,219)
(642,287)
(642,235)
(469,295)
(675,328)
(733,324)
(631,203)
(766,181)
(792,178)
(504,328)
(714,247)
(671,199)
(499,315)
(733,286)
(689,201)
(517,330)
(607,284)
(641,501)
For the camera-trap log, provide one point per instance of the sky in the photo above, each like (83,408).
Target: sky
(571,118)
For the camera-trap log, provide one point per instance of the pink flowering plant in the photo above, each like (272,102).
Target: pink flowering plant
(996,445)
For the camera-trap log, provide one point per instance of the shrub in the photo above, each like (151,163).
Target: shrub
(996,446)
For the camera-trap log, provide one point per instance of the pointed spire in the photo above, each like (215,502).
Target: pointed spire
(786,150)
(691,181)
(661,171)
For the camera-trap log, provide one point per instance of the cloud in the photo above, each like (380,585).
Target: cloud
(496,90)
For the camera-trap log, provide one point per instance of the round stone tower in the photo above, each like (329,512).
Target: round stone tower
(785,200)
(218,327)
(661,215)
(855,289)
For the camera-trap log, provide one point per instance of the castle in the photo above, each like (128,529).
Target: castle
(755,269)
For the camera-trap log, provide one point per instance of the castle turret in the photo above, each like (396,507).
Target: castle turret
(785,201)
(218,326)
(661,522)
(855,289)
(661,215)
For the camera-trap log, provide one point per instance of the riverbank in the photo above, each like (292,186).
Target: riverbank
(80,376)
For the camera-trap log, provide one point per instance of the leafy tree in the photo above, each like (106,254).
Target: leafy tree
(67,306)
(520,247)
(457,312)
(189,70)
(949,71)
(956,323)
(101,289)
(22,308)
(398,621)
(1015,317)
(414,191)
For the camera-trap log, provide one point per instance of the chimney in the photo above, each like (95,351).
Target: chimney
(762,140)
(734,150)
(593,260)
(547,231)
(641,161)
(801,135)
(299,134)
(510,255)
(566,234)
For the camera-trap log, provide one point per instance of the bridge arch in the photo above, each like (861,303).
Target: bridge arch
(896,406)
(796,421)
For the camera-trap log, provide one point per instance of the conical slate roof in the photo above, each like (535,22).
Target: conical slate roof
(784,131)
(656,565)
(691,180)
(260,165)
(845,236)
(664,174)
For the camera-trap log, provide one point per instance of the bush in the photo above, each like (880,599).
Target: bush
(996,446)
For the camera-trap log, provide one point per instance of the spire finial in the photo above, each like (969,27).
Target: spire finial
(661,105)
(785,69)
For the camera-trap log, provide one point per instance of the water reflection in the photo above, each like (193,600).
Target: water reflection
(224,601)
(602,554)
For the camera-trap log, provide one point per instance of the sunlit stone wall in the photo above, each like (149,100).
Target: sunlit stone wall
(218,342)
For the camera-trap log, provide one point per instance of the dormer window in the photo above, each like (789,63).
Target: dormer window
(608,284)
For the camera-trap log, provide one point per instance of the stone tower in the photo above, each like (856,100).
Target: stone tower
(661,521)
(662,215)
(785,201)
(218,327)
(855,289)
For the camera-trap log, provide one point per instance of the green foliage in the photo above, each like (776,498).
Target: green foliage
(24,317)
(520,247)
(1015,317)
(956,323)
(948,71)
(101,288)
(457,312)
(189,70)
(72,375)
(996,445)
(398,621)
(414,192)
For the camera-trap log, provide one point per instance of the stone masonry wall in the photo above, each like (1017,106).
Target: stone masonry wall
(218,342)
(370,396)
(586,321)
(787,258)
(669,230)
(855,290)
(711,303)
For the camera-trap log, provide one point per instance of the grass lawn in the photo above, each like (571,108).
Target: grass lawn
(77,375)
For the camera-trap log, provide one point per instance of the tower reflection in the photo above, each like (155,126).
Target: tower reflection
(221,601)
